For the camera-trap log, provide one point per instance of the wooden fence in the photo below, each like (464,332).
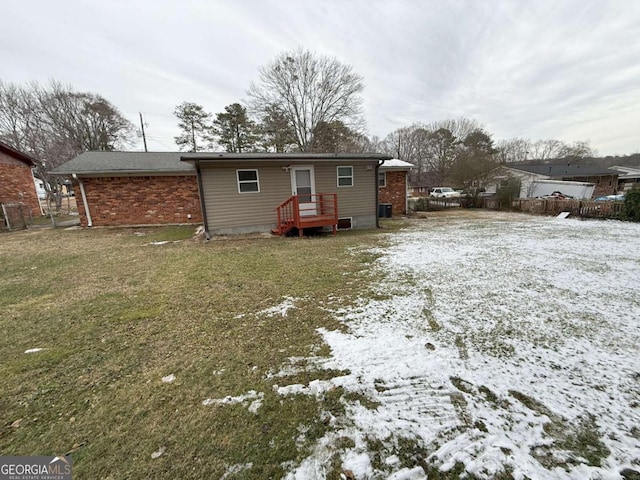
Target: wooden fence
(14,216)
(537,206)
(577,208)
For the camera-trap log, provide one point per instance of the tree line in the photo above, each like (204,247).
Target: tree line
(54,123)
(311,103)
(300,102)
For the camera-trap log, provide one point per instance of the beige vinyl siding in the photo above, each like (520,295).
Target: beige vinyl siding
(360,199)
(230,211)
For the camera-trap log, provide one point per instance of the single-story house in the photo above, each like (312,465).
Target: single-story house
(604,179)
(228,193)
(420,190)
(16,179)
(393,185)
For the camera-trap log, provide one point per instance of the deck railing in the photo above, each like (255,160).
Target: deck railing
(307,211)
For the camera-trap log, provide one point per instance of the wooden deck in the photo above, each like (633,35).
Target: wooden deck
(290,215)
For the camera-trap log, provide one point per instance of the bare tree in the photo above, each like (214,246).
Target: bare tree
(409,144)
(580,149)
(553,149)
(432,148)
(546,149)
(460,127)
(513,150)
(54,123)
(443,148)
(308,89)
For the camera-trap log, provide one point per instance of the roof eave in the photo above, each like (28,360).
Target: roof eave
(17,154)
(103,173)
(270,157)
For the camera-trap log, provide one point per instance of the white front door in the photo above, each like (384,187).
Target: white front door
(303,184)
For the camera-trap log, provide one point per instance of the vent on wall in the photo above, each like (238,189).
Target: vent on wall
(344,223)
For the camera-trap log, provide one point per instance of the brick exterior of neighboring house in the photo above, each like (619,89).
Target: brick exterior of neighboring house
(16,180)
(605,184)
(140,200)
(394,190)
(604,179)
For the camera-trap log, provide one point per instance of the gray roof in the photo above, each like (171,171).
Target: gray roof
(224,156)
(121,163)
(564,169)
(94,163)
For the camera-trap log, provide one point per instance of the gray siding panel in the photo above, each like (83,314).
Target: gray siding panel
(229,211)
(360,199)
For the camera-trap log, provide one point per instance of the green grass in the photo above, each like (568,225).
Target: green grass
(114,313)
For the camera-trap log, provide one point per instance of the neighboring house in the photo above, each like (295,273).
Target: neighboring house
(420,190)
(393,184)
(228,193)
(16,179)
(133,188)
(628,177)
(604,180)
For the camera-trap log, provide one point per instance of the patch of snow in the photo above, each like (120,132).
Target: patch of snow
(33,350)
(158,452)
(358,462)
(233,470)
(169,378)
(296,365)
(392,460)
(281,309)
(487,342)
(416,473)
(253,407)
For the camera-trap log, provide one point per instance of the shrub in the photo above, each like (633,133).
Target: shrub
(632,205)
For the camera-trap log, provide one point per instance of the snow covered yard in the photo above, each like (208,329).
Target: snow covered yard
(494,345)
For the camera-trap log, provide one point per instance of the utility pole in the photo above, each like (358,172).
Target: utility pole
(144,138)
(193,136)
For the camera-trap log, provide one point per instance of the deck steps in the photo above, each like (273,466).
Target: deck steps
(308,211)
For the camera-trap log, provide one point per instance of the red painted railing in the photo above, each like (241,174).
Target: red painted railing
(307,211)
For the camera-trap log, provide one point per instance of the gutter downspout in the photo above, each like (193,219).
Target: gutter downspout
(205,223)
(378,192)
(84,200)
(406,192)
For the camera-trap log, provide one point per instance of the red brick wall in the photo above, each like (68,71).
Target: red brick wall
(16,183)
(605,184)
(149,200)
(395,192)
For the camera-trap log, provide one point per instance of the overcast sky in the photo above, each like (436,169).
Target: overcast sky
(523,68)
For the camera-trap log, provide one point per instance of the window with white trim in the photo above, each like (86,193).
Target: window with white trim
(345,176)
(382,179)
(248,181)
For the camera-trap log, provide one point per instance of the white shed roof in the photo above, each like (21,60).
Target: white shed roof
(396,164)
